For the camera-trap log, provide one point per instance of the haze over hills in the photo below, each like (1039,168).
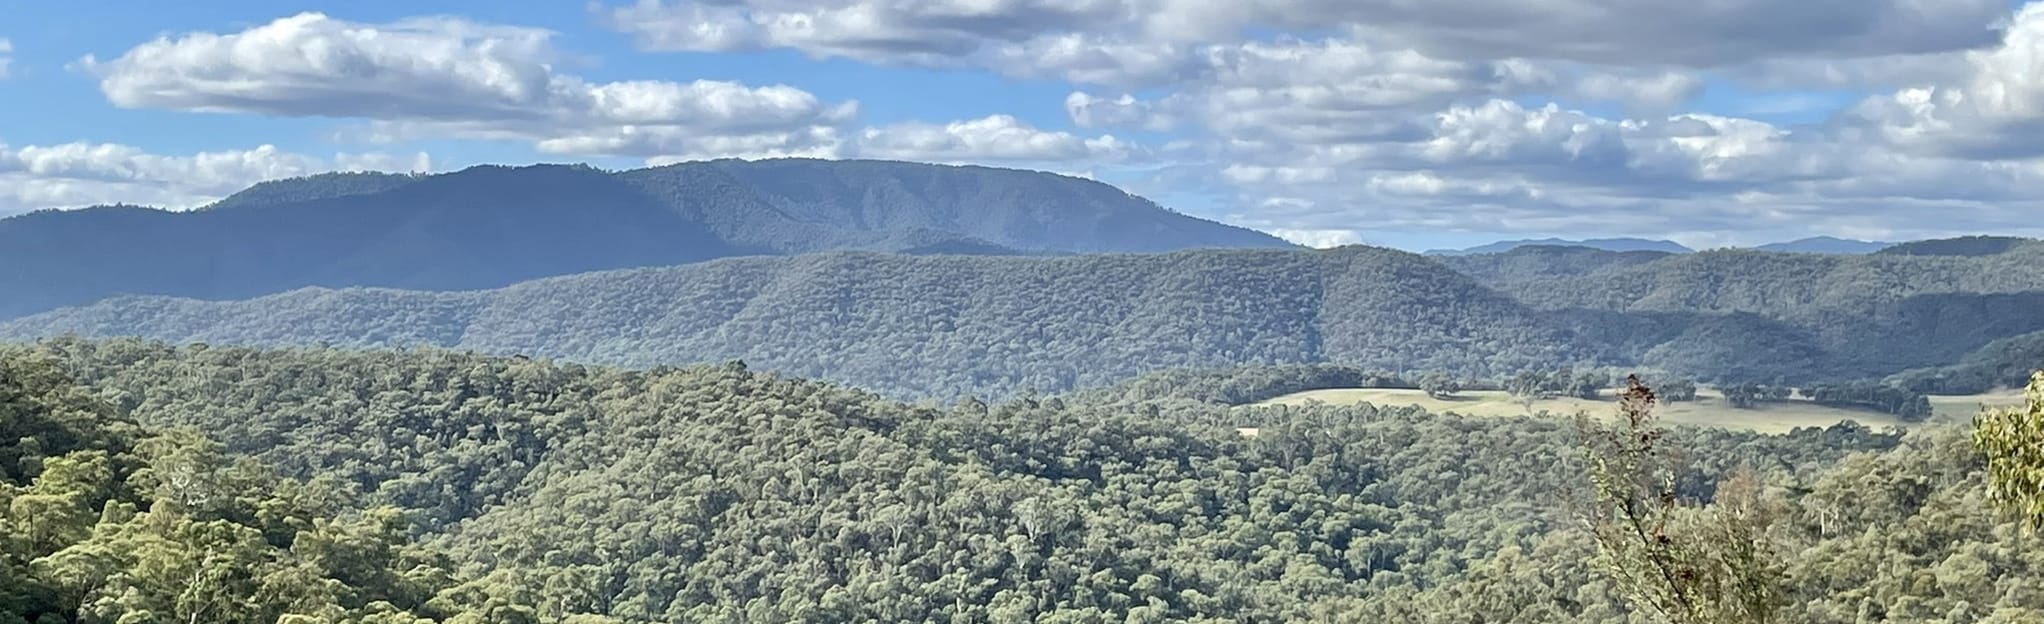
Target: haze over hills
(491,226)
(1606,244)
(1962,246)
(1826,245)
(941,325)
(919,326)
(1814,244)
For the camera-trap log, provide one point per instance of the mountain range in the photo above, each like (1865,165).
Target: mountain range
(942,325)
(1815,244)
(1606,244)
(1826,245)
(925,280)
(491,226)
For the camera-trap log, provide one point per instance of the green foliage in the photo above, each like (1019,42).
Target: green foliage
(1739,316)
(1676,390)
(1243,385)
(2004,363)
(1902,402)
(1681,562)
(1537,384)
(312,188)
(2013,441)
(108,522)
(921,326)
(1961,246)
(1439,385)
(719,494)
(939,326)
(1749,395)
(439,486)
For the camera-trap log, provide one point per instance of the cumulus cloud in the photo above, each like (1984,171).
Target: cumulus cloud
(1319,239)
(1125,111)
(992,138)
(1305,117)
(903,31)
(448,77)
(1469,113)
(34,177)
(1994,109)
(1661,32)
(1625,32)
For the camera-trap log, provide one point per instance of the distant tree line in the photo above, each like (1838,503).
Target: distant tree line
(1904,403)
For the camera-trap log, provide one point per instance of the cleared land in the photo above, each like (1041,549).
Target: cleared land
(1710,408)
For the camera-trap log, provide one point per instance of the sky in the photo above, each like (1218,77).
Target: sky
(1443,123)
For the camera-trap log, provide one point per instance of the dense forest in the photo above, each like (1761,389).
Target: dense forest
(943,325)
(490,226)
(514,489)
(917,326)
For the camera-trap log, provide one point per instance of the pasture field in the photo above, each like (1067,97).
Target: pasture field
(1710,408)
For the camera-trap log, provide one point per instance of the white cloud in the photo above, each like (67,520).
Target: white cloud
(1624,32)
(1453,115)
(1092,111)
(6,55)
(1660,32)
(1094,59)
(449,77)
(1875,72)
(901,31)
(1319,239)
(1460,114)
(1655,92)
(992,138)
(1993,109)
(34,177)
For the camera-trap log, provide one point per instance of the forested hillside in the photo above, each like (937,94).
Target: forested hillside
(106,520)
(1603,244)
(945,325)
(717,494)
(491,226)
(1749,316)
(1826,245)
(916,326)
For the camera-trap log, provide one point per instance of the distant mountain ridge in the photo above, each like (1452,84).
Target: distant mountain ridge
(1961,246)
(1814,244)
(940,325)
(491,226)
(1606,244)
(913,325)
(1826,245)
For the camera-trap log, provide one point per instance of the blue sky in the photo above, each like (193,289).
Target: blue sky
(1443,124)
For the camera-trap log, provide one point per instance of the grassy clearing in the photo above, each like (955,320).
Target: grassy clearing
(1961,408)
(1710,408)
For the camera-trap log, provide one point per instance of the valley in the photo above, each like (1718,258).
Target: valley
(816,391)
(1022,312)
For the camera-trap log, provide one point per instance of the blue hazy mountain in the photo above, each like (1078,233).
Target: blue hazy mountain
(491,226)
(1606,244)
(1826,245)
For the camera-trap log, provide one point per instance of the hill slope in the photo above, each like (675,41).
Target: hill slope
(918,325)
(1827,245)
(1606,244)
(804,205)
(1962,246)
(718,494)
(1812,315)
(938,325)
(486,227)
